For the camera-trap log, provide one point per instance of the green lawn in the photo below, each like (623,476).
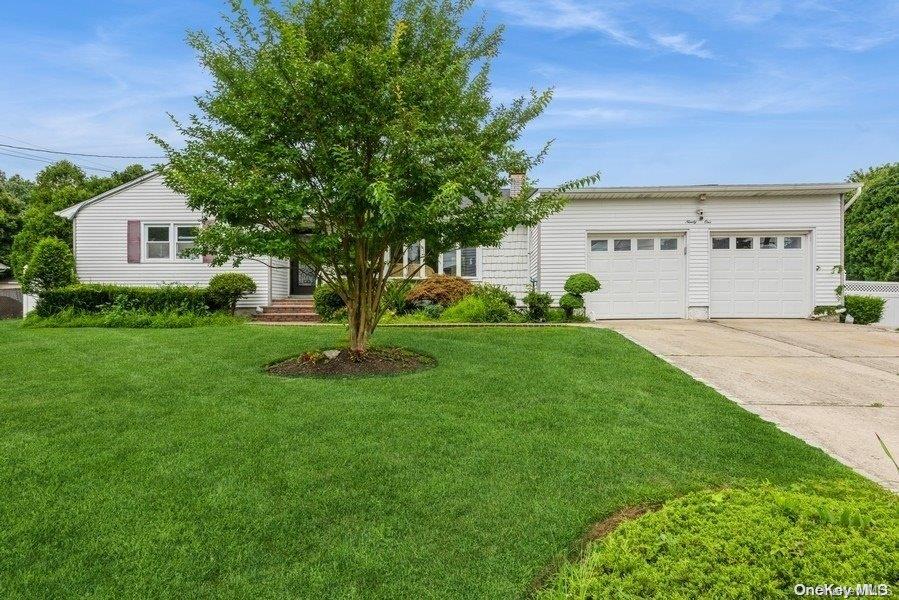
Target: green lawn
(166,464)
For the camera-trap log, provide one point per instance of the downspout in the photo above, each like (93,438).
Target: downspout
(846,207)
(270,259)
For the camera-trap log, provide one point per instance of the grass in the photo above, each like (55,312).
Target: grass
(166,464)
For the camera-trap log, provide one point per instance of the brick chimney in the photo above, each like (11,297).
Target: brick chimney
(516,184)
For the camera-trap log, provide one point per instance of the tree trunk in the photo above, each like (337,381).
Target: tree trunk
(362,313)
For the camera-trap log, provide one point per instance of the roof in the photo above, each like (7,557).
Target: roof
(714,191)
(72,211)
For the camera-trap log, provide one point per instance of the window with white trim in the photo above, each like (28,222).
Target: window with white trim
(169,241)
(462,262)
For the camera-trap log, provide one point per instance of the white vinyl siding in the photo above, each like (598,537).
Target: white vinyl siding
(563,236)
(508,263)
(101,245)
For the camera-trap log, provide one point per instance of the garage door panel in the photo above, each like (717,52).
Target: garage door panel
(647,283)
(760,282)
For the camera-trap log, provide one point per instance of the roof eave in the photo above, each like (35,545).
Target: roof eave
(70,212)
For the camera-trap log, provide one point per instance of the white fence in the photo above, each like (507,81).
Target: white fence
(888,290)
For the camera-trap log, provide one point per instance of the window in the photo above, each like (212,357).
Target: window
(744,243)
(462,262)
(186,236)
(646,244)
(449,262)
(599,245)
(792,242)
(668,244)
(720,243)
(768,243)
(413,255)
(169,241)
(158,241)
(469,262)
(622,245)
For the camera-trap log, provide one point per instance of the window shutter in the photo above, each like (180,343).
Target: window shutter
(133,241)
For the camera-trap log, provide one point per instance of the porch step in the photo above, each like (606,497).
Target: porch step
(289,308)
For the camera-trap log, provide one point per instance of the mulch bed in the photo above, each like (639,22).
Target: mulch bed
(340,362)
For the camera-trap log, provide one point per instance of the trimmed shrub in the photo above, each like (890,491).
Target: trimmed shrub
(757,542)
(864,309)
(97,298)
(569,303)
(444,290)
(51,266)
(581,283)
(470,309)
(494,293)
(225,289)
(538,304)
(328,303)
(394,297)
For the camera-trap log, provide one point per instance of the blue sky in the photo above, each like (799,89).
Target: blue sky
(648,93)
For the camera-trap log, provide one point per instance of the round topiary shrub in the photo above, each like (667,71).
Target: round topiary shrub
(581,283)
(757,542)
(51,266)
(226,289)
(327,302)
(444,290)
(864,309)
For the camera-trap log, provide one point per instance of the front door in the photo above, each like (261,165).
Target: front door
(302,279)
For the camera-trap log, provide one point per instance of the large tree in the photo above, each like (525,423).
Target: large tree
(872,226)
(337,132)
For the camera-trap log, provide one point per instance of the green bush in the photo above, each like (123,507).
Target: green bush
(225,289)
(327,302)
(757,542)
(97,298)
(494,293)
(864,309)
(394,297)
(581,283)
(51,266)
(444,290)
(569,303)
(470,309)
(537,304)
(138,319)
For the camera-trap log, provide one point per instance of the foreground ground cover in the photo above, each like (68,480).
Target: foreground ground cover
(167,463)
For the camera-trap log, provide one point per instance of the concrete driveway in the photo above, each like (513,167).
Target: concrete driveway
(832,385)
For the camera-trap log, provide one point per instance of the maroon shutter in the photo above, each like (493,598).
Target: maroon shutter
(134,241)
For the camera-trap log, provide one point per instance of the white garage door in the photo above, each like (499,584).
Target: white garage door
(642,276)
(760,275)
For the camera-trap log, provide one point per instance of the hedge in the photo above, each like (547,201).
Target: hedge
(96,298)
(864,309)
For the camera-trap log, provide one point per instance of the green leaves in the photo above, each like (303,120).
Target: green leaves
(336,130)
(872,226)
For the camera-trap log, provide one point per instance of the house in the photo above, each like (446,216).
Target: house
(660,252)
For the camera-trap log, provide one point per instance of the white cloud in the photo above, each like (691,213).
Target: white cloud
(682,44)
(565,15)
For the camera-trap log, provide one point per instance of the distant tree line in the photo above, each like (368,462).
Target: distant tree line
(27,207)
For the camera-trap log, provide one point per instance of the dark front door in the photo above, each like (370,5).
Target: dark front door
(302,279)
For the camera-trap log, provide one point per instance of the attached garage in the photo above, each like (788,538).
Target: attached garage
(643,275)
(767,275)
(717,251)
